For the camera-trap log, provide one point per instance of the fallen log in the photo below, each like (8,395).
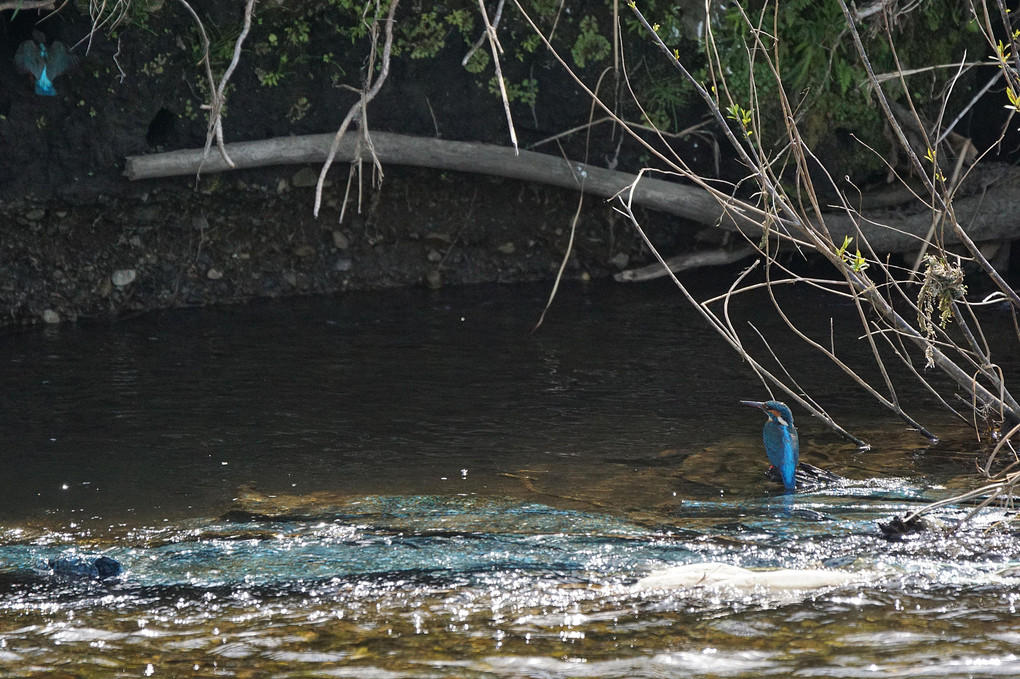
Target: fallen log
(987,215)
(685,262)
(462,156)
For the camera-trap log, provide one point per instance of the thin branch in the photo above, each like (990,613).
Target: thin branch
(490,31)
(358,107)
(484,36)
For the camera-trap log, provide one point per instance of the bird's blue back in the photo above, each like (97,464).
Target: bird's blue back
(783,447)
(782,444)
(45,63)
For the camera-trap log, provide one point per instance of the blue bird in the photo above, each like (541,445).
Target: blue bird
(44,63)
(781,441)
(782,444)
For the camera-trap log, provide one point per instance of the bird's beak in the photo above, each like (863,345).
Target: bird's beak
(754,404)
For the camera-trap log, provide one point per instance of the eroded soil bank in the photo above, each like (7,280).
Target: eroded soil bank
(79,240)
(252,234)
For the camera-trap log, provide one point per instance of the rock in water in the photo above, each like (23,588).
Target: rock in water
(725,576)
(898,528)
(85,567)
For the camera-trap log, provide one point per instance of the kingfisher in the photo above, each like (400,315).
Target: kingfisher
(44,63)
(782,445)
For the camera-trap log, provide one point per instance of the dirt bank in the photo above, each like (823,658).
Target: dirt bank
(252,234)
(79,240)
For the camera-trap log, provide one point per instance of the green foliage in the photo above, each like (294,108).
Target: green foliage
(667,18)
(822,74)
(590,46)
(526,92)
(156,66)
(464,21)
(528,45)
(298,32)
(189,111)
(425,39)
(543,10)
(742,116)
(298,110)
(936,172)
(478,62)
(663,97)
(221,43)
(274,77)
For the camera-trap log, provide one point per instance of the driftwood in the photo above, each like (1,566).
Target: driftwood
(691,260)
(26,4)
(988,215)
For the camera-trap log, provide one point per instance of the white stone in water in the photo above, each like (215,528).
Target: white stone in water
(724,576)
(214,274)
(122,277)
(50,316)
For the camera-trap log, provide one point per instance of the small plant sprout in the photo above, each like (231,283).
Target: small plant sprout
(930,157)
(856,261)
(1014,102)
(742,116)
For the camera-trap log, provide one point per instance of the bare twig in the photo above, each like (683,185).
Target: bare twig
(490,31)
(485,36)
(577,213)
(218,92)
(358,108)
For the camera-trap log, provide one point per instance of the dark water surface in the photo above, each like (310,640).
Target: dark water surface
(440,492)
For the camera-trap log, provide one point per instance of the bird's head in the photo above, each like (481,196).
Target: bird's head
(777,411)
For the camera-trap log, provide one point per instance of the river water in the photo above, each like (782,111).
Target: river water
(412,483)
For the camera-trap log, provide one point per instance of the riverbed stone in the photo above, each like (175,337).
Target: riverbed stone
(122,277)
(214,274)
(50,317)
(35,215)
(304,178)
(340,240)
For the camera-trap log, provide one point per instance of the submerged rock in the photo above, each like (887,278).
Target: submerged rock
(85,567)
(897,528)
